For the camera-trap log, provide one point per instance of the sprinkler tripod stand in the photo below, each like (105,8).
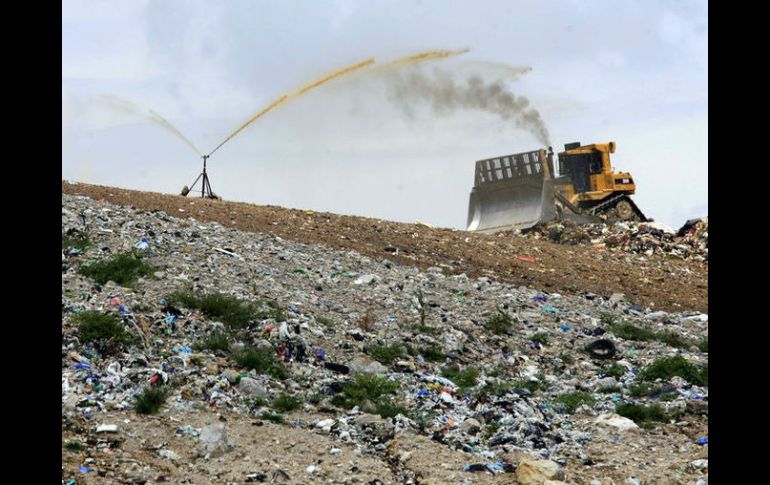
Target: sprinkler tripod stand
(205,184)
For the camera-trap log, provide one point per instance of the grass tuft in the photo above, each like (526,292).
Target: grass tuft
(641,414)
(261,360)
(285,403)
(231,311)
(124,269)
(386,354)
(151,400)
(499,324)
(104,328)
(213,342)
(572,400)
(464,379)
(667,368)
(371,393)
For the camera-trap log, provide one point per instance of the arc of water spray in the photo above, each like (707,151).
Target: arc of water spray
(152,116)
(286,97)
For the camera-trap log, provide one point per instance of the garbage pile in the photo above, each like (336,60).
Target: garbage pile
(513,380)
(690,242)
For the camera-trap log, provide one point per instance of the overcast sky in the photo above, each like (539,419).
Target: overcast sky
(633,72)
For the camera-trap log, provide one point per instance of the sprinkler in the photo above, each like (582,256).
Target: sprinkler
(205,184)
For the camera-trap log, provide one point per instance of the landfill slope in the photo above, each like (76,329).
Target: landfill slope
(399,374)
(658,281)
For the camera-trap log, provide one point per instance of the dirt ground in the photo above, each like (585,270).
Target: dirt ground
(655,281)
(262,448)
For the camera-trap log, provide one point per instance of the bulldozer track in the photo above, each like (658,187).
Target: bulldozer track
(612,202)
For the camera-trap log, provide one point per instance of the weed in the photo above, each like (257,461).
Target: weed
(464,379)
(230,310)
(261,360)
(75,239)
(423,308)
(366,323)
(386,354)
(369,392)
(76,446)
(327,322)
(285,403)
(388,409)
(642,414)
(639,390)
(424,329)
(151,400)
(213,342)
(499,324)
(567,359)
(277,418)
(612,370)
(531,385)
(124,269)
(491,429)
(104,328)
(541,338)
(628,331)
(610,390)
(667,368)
(703,345)
(499,389)
(572,400)
(433,354)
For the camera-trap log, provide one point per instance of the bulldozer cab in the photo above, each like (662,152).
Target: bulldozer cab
(579,167)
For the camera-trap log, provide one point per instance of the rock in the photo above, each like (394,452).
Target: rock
(231,375)
(214,441)
(366,279)
(325,424)
(699,464)
(605,383)
(366,366)
(470,426)
(616,421)
(536,472)
(616,298)
(632,481)
(250,387)
(168,454)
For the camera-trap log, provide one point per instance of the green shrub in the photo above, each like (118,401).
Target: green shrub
(433,354)
(124,269)
(499,389)
(261,360)
(703,345)
(613,370)
(531,385)
(464,379)
(94,326)
(75,446)
(386,354)
(277,418)
(639,390)
(628,331)
(286,403)
(151,400)
(229,310)
(215,341)
(667,368)
(424,329)
(567,359)
(371,393)
(572,400)
(75,240)
(541,338)
(610,389)
(499,324)
(642,414)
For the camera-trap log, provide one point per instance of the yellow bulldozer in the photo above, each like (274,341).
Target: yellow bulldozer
(521,190)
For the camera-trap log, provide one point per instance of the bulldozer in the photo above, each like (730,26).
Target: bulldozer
(521,190)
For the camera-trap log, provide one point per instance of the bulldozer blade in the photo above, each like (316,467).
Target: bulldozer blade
(514,203)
